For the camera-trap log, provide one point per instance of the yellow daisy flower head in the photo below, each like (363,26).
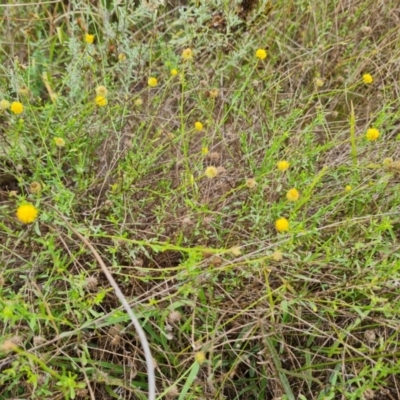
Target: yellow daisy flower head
(200,357)
(347,188)
(293,195)
(138,102)
(282,224)
(204,151)
(101,91)
(17,107)
(367,79)
(319,82)
(372,134)
(283,165)
(261,54)
(100,101)
(198,126)
(187,54)
(174,72)
(211,172)
(89,39)
(152,82)
(27,213)
(60,142)
(4,104)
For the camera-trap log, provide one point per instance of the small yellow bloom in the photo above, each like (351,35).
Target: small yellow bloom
(17,107)
(121,57)
(372,134)
(198,126)
(283,165)
(138,102)
(101,91)
(174,72)
(282,224)
(200,357)
(152,82)
(101,101)
(261,54)
(60,142)
(293,195)
(251,183)
(89,39)
(27,213)
(4,104)
(367,79)
(319,82)
(347,188)
(204,151)
(387,161)
(187,54)
(211,172)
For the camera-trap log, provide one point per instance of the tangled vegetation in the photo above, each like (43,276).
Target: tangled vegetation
(235,165)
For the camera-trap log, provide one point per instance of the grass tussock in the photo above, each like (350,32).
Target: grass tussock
(234,165)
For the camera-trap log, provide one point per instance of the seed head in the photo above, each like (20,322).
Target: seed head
(101,91)
(60,142)
(121,57)
(200,357)
(35,187)
(4,105)
(251,183)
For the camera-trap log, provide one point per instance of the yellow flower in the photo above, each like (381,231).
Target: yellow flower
(282,224)
(283,165)
(319,82)
(174,72)
(204,151)
(60,142)
(89,39)
(367,79)
(198,126)
(387,161)
(200,357)
(138,102)
(347,188)
(372,134)
(211,172)
(27,213)
(187,54)
(101,101)
(17,107)
(293,195)
(101,91)
(251,183)
(4,104)
(121,57)
(152,82)
(261,54)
